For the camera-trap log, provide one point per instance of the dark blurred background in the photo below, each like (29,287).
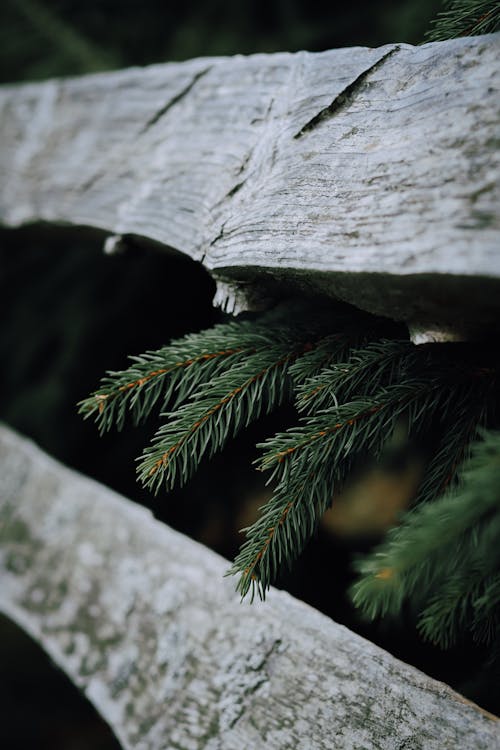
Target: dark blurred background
(42,38)
(69,313)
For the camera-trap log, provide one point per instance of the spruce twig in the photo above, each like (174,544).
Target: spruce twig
(170,373)
(445,554)
(465,18)
(216,412)
(312,461)
(168,376)
(353,388)
(374,365)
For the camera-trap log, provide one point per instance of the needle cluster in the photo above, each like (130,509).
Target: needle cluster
(353,386)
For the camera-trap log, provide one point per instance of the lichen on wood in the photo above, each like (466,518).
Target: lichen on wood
(144,622)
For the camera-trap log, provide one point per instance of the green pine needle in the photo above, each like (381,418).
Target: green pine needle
(465,18)
(168,376)
(365,371)
(216,412)
(445,554)
(354,388)
(170,373)
(312,461)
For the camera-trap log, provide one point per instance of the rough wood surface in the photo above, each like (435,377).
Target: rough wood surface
(370,174)
(142,619)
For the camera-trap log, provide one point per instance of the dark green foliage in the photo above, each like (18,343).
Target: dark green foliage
(380,385)
(465,18)
(382,360)
(171,373)
(255,382)
(218,381)
(354,389)
(445,558)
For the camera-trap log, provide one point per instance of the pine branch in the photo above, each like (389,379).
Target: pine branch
(330,348)
(170,372)
(168,376)
(312,462)
(465,18)
(447,554)
(217,411)
(458,432)
(218,381)
(403,369)
(228,402)
(464,604)
(368,369)
(351,331)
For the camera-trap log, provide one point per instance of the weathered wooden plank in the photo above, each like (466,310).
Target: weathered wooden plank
(371,174)
(142,619)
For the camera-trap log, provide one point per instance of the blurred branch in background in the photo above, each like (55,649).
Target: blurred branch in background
(44,38)
(66,43)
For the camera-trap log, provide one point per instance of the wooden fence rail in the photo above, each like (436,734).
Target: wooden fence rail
(143,620)
(368,174)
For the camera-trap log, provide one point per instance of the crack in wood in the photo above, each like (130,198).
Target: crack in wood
(245,161)
(266,115)
(175,100)
(220,235)
(345,97)
(235,189)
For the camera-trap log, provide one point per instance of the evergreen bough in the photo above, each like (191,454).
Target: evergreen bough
(465,18)
(445,558)
(352,385)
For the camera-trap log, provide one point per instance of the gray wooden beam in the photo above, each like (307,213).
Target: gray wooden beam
(143,620)
(367,174)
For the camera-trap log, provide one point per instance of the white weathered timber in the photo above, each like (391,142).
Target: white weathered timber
(142,619)
(369,174)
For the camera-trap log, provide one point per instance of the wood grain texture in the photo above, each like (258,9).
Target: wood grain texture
(367,174)
(142,619)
